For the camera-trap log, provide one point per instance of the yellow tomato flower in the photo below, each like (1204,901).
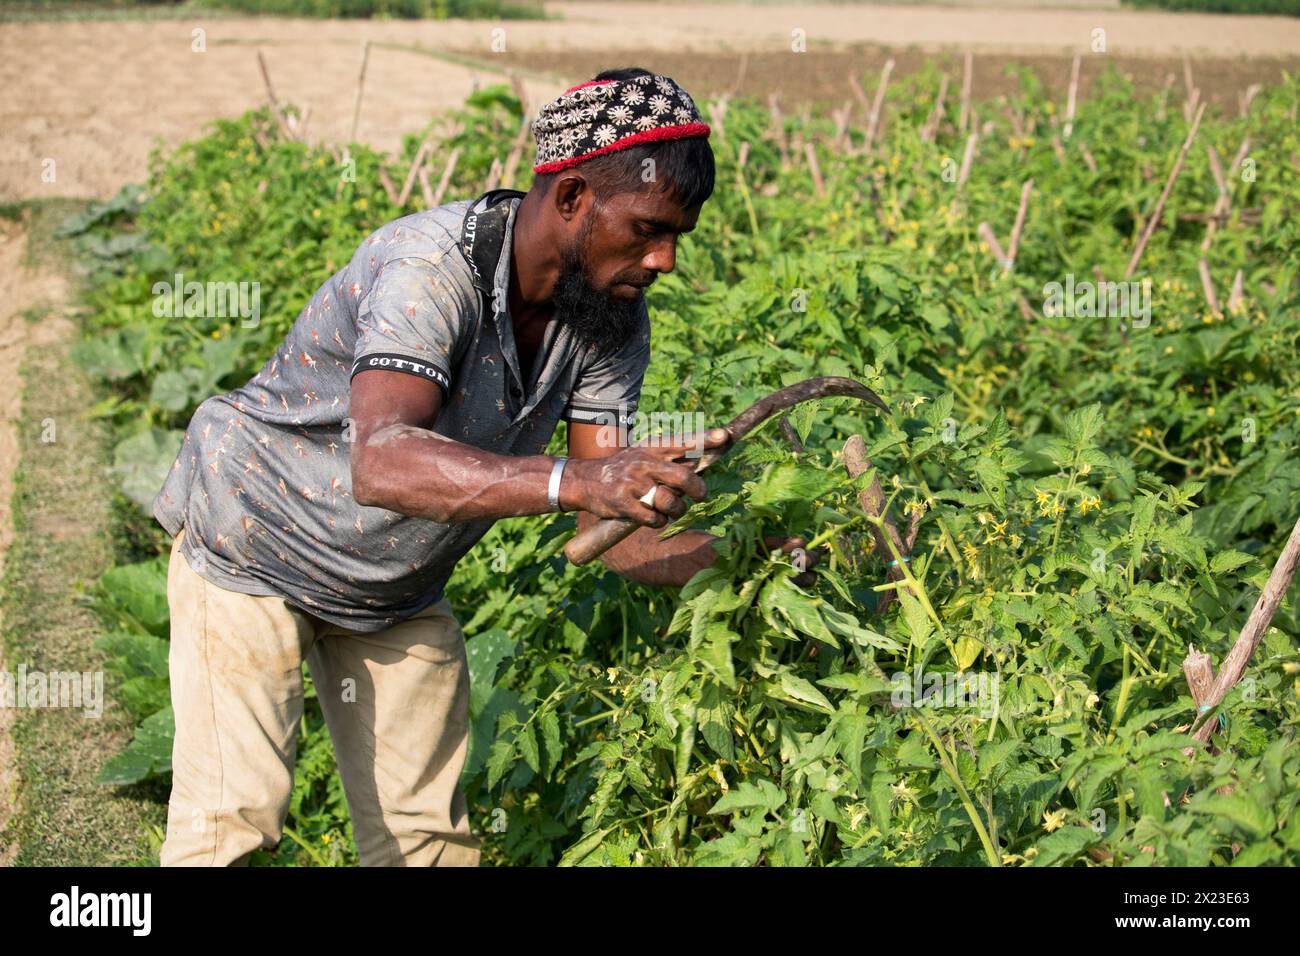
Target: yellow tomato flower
(1054,820)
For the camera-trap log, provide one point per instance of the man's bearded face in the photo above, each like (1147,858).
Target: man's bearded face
(596,315)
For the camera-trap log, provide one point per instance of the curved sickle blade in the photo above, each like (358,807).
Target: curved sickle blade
(586,546)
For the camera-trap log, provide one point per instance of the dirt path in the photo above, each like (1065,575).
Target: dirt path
(95,96)
(31,292)
(56,539)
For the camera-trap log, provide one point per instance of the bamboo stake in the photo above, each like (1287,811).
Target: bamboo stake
(1072,97)
(1221,204)
(987,234)
(811,152)
(1234,665)
(859,92)
(1164,195)
(966,159)
(872,500)
(717,115)
(1207,284)
(995,247)
(276,111)
(416,165)
(841,138)
(425,189)
(965,94)
(1016,126)
(1236,295)
(1087,157)
(361,83)
(1014,245)
(266,79)
(1242,150)
(387,183)
(873,124)
(931,128)
(516,152)
(778,129)
(1244,100)
(494,175)
(446,177)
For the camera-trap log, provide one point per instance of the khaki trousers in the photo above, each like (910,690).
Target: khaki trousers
(396,703)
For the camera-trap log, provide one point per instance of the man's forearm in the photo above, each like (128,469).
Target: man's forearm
(418,472)
(647,559)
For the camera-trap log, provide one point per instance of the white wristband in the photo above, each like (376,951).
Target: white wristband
(553,490)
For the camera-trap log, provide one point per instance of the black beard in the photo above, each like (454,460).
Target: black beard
(597,318)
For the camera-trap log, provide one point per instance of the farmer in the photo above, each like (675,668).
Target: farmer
(318,511)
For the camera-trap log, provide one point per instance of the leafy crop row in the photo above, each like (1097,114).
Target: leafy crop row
(1093,497)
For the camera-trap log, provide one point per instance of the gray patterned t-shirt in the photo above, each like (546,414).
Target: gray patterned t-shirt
(262,483)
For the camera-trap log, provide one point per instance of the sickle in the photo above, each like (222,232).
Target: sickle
(586,546)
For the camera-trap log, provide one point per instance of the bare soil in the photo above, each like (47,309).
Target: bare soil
(96,96)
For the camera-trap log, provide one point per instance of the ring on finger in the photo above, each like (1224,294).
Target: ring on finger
(648,499)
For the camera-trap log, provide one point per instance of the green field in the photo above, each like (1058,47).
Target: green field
(1093,494)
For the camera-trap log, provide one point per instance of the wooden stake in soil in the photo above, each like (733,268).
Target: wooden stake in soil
(1236,295)
(966,159)
(445,181)
(873,123)
(778,129)
(1221,205)
(276,110)
(361,84)
(931,127)
(872,500)
(494,175)
(1164,195)
(416,165)
(425,189)
(387,183)
(1207,285)
(818,186)
(1245,99)
(965,94)
(516,152)
(1234,665)
(1014,245)
(1071,98)
(1087,158)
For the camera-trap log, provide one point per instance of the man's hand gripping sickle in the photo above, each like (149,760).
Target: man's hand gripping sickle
(623,516)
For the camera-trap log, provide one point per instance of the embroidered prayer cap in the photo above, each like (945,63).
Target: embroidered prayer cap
(604,116)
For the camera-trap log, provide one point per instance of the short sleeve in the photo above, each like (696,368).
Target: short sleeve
(416,318)
(611,384)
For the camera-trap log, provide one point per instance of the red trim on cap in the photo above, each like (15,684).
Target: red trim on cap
(684,131)
(581,86)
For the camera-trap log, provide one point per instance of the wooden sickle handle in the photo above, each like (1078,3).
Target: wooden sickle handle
(586,546)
